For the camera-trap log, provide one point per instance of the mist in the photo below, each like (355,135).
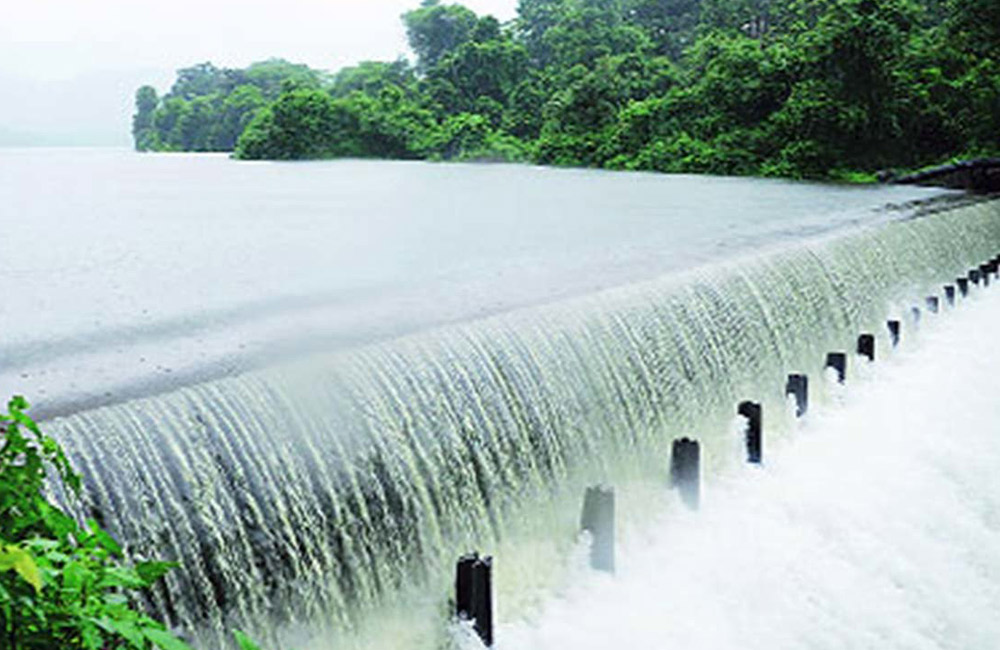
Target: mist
(69,70)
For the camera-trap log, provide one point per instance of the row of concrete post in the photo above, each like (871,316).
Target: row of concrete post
(473,574)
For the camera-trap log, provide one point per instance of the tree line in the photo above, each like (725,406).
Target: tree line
(794,88)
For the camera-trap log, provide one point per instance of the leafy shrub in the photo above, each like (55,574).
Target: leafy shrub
(62,584)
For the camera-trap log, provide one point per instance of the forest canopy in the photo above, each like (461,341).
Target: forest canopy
(795,88)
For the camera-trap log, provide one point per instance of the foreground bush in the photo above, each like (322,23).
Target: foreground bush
(62,584)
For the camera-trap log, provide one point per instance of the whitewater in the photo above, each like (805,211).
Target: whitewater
(315,394)
(323,503)
(875,523)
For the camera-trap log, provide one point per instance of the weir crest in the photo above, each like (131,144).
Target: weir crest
(300,499)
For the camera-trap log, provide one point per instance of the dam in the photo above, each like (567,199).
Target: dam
(317,485)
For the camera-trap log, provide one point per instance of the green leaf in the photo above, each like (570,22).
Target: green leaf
(244,641)
(16,407)
(164,639)
(42,545)
(104,539)
(19,560)
(115,599)
(92,637)
(127,630)
(150,572)
(17,403)
(122,577)
(73,576)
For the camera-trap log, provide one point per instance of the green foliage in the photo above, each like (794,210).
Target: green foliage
(305,124)
(371,77)
(669,24)
(244,641)
(208,108)
(434,29)
(143,133)
(799,88)
(62,584)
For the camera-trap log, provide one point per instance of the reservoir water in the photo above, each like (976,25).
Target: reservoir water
(315,385)
(139,272)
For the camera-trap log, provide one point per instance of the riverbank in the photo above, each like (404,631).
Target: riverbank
(835,91)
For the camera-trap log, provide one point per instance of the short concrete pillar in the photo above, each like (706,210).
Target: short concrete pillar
(838,361)
(598,519)
(933,304)
(915,313)
(984,272)
(798,386)
(866,346)
(974,276)
(474,594)
(949,294)
(963,286)
(754,413)
(685,470)
(894,327)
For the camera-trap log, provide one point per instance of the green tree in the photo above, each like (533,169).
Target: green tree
(198,80)
(588,30)
(143,133)
(300,124)
(671,25)
(803,88)
(474,70)
(273,75)
(236,112)
(580,118)
(370,77)
(434,29)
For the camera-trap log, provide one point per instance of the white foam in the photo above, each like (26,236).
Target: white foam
(875,525)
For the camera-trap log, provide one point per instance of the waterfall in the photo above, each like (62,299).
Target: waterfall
(302,499)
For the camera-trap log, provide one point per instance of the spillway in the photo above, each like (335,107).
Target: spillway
(876,524)
(322,502)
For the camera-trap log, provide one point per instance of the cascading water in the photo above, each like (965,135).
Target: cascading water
(301,499)
(875,524)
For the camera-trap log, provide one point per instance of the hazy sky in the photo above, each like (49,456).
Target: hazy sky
(68,68)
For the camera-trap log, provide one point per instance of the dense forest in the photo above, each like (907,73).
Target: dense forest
(797,88)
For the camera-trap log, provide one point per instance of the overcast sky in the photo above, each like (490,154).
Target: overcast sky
(69,68)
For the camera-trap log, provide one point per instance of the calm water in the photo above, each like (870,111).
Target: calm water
(127,273)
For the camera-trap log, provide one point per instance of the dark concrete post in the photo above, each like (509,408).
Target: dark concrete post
(894,328)
(685,470)
(866,346)
(474,594)
(984,272)
(753,412)
(963,286)
(974,276)
(598,519)
(933,304)
(798,385)
(949,294)
(838,361)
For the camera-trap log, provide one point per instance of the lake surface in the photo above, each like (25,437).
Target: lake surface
(129,273)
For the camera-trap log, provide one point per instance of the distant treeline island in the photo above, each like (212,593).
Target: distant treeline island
(796,88)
